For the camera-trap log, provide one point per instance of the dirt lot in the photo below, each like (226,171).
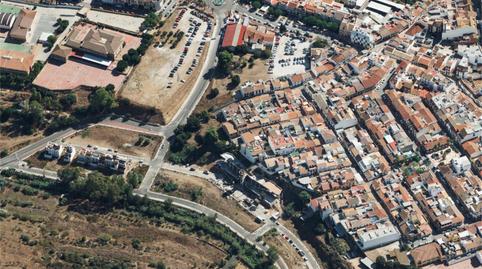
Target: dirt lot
(12,141)
(149,84)
(211,196)
(40,234)
(124,141)
(285,250)
(259,71)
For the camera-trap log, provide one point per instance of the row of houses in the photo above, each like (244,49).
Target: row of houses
(85,156)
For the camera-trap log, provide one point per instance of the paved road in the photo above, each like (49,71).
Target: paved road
(34,147)
(186,109)
(231,224)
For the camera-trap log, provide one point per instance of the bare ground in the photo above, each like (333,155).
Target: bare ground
(124,141)
(285,250)
(211,197)
(147,85)
(259,71)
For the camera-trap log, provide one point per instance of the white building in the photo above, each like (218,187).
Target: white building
(69,154)
(53,151)
(382,235)
(460,165)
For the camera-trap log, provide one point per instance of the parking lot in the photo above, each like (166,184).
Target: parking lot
(177,57)
(289,57)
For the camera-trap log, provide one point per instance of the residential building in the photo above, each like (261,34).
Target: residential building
(419,121)
(466,187)
(434,201)
(53,151)
(365,153)
(356,213)
(15,59)
(402,208)
(383,127)
(100,42)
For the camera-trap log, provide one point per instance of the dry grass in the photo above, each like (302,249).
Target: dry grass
(59,230)
(285,250)
(123,141)
(211,197)
(11,141)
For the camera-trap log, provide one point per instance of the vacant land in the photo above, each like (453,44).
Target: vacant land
(11,141)
(285,250)
(123,141)
(149,84)
(205,193)
(38,233)
(251,72)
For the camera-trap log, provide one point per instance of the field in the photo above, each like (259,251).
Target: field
(123,141)
(40,234)
(149,84)
(211,196)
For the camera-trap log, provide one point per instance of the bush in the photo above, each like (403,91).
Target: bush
(136,244)
(104,239)
(213,93)
(169,186)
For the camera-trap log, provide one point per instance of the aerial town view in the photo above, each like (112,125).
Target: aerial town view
(246,134)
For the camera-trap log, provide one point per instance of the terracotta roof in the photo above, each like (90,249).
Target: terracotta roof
(15,61)
(22,24)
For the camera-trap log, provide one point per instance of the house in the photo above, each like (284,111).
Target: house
(69,154)
(53,151)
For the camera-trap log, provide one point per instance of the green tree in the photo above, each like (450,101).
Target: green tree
(68,175)
(289,211)
(33,115)
(121,66)
(225,58)
(272,254)
(304,197)
(213,93)
(68,100)
(256,4)
(319,43)
(3,153)
(282,28)
(51,41)
(193,124)
(134,179)
(152,20)
(235,81)
(101,101)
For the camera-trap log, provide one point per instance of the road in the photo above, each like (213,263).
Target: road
(34,147)
(188,106)
(201,84)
